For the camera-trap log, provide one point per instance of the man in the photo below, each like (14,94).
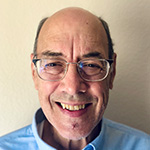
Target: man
(73,68)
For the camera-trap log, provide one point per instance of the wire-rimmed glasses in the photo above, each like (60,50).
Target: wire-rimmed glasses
(52,69)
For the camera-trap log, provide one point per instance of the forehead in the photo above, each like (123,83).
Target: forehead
(73,33)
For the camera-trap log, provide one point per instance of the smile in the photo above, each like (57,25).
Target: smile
(72,107)
(74,110)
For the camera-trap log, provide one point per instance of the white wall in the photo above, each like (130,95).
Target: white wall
(130,28)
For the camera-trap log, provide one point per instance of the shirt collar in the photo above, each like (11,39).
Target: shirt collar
(98,141)
(39,117)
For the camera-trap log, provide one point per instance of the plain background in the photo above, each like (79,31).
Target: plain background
(129,23)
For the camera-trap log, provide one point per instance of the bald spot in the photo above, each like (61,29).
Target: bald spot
(75,18)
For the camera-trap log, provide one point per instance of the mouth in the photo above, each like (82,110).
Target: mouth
(73,107)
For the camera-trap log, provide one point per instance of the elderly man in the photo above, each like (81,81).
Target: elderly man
(73,68)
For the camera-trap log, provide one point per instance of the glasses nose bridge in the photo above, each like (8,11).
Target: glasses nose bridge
(74,69)
(72,63)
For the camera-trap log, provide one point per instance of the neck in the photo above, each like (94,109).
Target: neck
(53,138)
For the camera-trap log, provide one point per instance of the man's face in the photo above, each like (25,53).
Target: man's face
(72,39)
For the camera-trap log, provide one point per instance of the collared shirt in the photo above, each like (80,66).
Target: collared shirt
(113,136)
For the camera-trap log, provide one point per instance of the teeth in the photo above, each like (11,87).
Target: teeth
(63,106)
(71,107)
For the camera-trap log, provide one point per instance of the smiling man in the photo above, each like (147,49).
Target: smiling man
(73,68)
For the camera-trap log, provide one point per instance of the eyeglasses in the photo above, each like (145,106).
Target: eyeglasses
(88,69)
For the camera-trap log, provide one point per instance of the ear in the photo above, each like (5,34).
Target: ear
(113,71)
(34,74)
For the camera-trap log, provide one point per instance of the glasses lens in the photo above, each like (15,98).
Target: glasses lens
(93,70)
(51,69)
(89,69)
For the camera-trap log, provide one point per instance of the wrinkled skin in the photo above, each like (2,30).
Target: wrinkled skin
(71,34)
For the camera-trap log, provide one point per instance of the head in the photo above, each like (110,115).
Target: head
(73,35)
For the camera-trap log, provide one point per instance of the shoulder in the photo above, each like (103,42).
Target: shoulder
(124,129)
(18,139)
(124,136)
(20,132)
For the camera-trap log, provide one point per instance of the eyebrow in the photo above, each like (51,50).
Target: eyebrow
(50,53)
(88,55)
(93,54)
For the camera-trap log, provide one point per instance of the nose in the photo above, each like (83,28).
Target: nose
(72,83)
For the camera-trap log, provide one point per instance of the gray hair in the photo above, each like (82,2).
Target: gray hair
(37,34)
(110,43)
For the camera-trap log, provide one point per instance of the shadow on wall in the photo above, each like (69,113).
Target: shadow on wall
(129,101)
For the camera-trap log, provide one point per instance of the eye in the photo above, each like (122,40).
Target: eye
(53,64)
(86,64)
(92,68)
(53,67)
(92,65)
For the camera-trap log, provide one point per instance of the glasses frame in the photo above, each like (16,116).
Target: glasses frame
(109,61)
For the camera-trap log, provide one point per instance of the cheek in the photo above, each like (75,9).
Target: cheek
(45,89)
(100,90)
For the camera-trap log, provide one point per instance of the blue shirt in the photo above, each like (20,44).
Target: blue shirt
(113,136)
